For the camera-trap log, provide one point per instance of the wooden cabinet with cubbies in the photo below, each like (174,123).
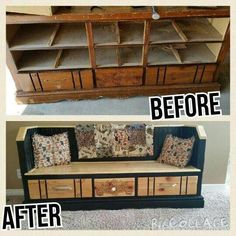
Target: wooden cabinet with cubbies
(115,54)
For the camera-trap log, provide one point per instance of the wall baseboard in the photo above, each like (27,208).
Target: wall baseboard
(208,187)
(14,192)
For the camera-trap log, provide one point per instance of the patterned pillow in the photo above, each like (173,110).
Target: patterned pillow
(85,137)
(103,140)
(51,150)
(176,151)
(61,149)
(137,140)
(43,150)
(120,146)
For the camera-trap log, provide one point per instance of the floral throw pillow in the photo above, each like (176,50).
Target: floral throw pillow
(85,138)
(51,150)
(43,150)
(61,149)
(176,151)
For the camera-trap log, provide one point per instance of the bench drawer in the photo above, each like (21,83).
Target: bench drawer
(60,188)
(167,185)
(114,187)
(119,77)
(61,80)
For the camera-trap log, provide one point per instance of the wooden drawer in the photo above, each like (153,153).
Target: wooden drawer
(180,74)
(60,188)
(119,77)
(33,186)
(167,185)
(52,81)
(114,187)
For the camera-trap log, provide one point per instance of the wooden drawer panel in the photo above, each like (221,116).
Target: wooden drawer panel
(192,185)
(34,192)
(118,77)
(86,186)
(208,74)
(52,81)
(142,186)
(26,83)
(114,187)
(180,74)
(167,185)
(60,188)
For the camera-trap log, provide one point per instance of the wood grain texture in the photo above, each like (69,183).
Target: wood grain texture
(77,79)
(199,73)
(103,167)
(142,186)
(78,188)
(180,74)
(35,80)
(87,79)
(151,75)
(86,185)
(150,186)
(60,188)
(115,187)
(208,75)
(161,75)
(129,91)
(167,185)
(52,81)
(117,77)
(33,186)
(26,83)
(43,189)
(192,185)
(183,185)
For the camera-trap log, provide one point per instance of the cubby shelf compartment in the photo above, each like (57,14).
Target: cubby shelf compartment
(163,31)
(131,32)
(46,36)
(199,30)
(105,33)
(106,57)
(47,59)
(183,53)
(130,56)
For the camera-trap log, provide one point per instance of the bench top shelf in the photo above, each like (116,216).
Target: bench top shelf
(115,167)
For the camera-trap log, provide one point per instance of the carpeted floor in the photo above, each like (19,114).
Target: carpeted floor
(214,216)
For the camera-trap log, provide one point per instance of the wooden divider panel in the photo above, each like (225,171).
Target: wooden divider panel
(86,185)
(34,191)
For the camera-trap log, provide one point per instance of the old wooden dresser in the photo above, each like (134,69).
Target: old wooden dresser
(115,52)
(117,182)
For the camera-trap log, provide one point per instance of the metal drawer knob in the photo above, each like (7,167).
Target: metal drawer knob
(113,189)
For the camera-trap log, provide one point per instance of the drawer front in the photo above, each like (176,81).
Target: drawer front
(114,187)
(60,188)
(118,77)
(167,185)
(51,81)
(180,74)
(34,191)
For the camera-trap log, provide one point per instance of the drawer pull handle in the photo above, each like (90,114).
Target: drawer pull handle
(167,185)
(113,189)
(59,188)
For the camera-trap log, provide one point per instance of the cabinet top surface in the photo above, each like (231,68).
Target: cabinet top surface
(117,13)
(115,167)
